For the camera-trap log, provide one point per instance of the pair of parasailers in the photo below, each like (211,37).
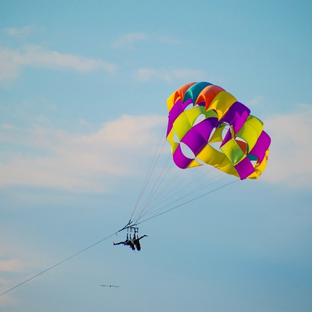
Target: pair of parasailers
(133,243)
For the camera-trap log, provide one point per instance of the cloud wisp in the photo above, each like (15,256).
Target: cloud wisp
(11,266)
(127,41)
(168,75)
(79,163)
(291,148)
(11,61)
(19,32)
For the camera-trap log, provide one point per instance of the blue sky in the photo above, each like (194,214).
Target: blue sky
(83,89)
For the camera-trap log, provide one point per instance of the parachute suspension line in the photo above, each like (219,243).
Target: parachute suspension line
(149,176)
(156,191)
(160,194)
(176,189)
(161,190)
(157,153)
(159,181)
(154,197)
(165,191)
(189,201)
(213,180)
(188,194)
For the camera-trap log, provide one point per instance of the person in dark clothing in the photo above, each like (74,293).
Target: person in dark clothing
(133,243)
(127,242)
(136,242)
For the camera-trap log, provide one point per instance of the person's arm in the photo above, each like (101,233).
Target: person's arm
(119,243)
(142,236)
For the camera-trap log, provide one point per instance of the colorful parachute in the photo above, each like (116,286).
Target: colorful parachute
(202,115)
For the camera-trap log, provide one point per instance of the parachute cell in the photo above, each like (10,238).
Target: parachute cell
(218,130)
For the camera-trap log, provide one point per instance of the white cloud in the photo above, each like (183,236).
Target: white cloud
(128,40)
(20,32)
(169,75)
(81,163)
(14,268)
(255,101)
(291,148)
(36,56)
(11,266)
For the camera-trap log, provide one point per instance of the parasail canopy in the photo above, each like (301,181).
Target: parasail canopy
(207,125)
